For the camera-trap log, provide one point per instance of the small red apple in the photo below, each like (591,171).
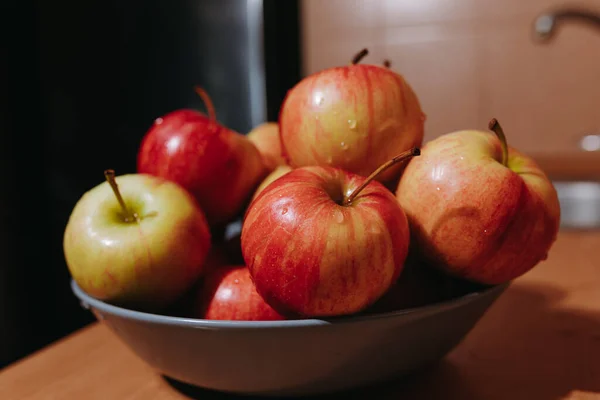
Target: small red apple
(266,139)
(479,209)
(321,241)
(353,117)
(220,167)
(227,293)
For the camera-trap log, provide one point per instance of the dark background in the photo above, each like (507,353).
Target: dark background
(80,84)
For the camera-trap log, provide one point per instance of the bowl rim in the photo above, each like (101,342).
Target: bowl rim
(88,302)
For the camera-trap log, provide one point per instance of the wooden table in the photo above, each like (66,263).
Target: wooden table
(540,340)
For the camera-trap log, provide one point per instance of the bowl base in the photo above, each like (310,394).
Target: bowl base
(196,392)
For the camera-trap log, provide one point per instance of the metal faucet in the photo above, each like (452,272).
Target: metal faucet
(546,24)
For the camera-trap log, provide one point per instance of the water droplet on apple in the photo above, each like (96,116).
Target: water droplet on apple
(236,281)
(352,124)
(344,146)
(375,230)
(284,211)
(158,121)
(437,188)
(485,231)
(339,216)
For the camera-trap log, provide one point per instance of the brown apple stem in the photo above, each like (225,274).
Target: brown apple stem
(109,174)
(415,151)
(387,63)
(210,108)
(494,125)
(359,56)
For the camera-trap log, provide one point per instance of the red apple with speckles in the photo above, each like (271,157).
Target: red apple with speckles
(266,139)
(220,167)
(227,293)
(479,209)
(142,243)
(354,117)
(321,241)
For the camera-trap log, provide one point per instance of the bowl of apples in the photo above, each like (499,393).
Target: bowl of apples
(328,250)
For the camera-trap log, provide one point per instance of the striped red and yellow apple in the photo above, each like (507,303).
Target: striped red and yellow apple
(321,241)
(354,117)
(478,208)
(228,293)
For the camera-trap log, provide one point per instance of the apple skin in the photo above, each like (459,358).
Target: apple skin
(228,293)
(266,139)
(220,167)
(274,175)
(310,256)
(473,217)
(145,265)
(353,117)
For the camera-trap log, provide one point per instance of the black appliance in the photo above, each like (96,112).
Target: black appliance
(81,83)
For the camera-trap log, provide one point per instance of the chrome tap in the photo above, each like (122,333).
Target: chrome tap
(545,25)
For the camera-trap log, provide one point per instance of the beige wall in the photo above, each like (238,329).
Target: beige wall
(470,60)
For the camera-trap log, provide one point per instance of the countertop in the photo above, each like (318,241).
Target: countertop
(540,340)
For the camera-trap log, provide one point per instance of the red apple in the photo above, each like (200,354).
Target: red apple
(321,241)
(479,209)
(266,139)
(227,293)
(353,117)
(220,167)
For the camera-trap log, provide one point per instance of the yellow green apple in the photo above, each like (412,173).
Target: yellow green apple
(136,240)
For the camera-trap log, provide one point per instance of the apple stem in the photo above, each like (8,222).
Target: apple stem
(387,63)
(210,108)
(494,125)
(109,174)
(359,56)
(415,151)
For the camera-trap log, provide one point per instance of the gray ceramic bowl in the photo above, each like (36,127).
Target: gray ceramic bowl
(295,357)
